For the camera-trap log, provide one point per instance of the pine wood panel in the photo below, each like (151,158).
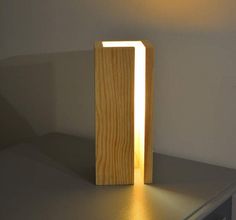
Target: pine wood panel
(114,87)
(148,157)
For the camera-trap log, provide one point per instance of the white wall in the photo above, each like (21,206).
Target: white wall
(195,77)
(54,92)
(34,26)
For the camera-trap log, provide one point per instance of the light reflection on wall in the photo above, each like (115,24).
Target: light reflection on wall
(203,15)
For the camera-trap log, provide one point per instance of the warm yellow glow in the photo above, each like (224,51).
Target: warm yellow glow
(175,16)
(139,103)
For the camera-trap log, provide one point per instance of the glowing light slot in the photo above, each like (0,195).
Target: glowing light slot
(139,103)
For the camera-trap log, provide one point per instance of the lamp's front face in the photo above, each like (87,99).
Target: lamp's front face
(127,61)
(139,103)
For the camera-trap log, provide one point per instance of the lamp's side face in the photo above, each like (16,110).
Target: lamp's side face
(148,157)
(114,88)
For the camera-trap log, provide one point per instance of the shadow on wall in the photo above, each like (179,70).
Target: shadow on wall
(29,88)
(13,127)
(53,92)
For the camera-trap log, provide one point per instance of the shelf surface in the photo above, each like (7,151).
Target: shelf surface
(52,177)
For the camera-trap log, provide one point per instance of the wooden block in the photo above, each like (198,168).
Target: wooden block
(114,86)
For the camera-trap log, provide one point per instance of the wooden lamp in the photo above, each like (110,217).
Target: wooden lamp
(124,93)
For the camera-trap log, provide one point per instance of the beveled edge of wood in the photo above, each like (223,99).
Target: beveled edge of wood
(98,44)
(147,43)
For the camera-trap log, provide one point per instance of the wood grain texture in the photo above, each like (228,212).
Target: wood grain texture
(114,87)
(148,157)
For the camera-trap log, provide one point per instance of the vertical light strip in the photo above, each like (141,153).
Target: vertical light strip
(139,103)
(139,112)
